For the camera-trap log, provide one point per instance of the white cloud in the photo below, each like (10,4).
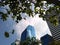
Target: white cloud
(39,24)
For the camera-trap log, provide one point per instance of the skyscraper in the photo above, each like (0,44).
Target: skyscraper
(29,32)
(46,39)
(55,31)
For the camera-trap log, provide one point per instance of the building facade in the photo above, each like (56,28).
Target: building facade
(55,31)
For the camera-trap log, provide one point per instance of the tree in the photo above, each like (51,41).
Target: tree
(55,42)
(23,6)
(32,41)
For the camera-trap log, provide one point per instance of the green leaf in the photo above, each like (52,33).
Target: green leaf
(8,12)
(4,17)
(19,17)
(13,17)
(16,21)
(13,31)
(6,34)
(54,20)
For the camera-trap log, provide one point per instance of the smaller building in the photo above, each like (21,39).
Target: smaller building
(46,39)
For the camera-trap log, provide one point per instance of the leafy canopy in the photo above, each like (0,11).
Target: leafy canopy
(45,9)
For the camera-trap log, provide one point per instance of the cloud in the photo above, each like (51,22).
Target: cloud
(41,26)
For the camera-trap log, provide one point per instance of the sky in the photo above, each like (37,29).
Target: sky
(7,26)
(41,27)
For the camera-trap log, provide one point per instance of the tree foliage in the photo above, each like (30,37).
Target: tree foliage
(32,41)
(23,6)
(6,34)
(55,42)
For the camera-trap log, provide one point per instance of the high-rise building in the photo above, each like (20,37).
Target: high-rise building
(46,39)
(55,31)
(29,32)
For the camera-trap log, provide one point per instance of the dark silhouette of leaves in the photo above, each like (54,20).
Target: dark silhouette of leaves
(18,6)
(6,34)
(13,31)
(4,17)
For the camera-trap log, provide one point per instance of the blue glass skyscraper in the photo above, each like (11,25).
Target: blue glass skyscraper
(28,32)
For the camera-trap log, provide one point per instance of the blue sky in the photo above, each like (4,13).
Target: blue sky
(7,26)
